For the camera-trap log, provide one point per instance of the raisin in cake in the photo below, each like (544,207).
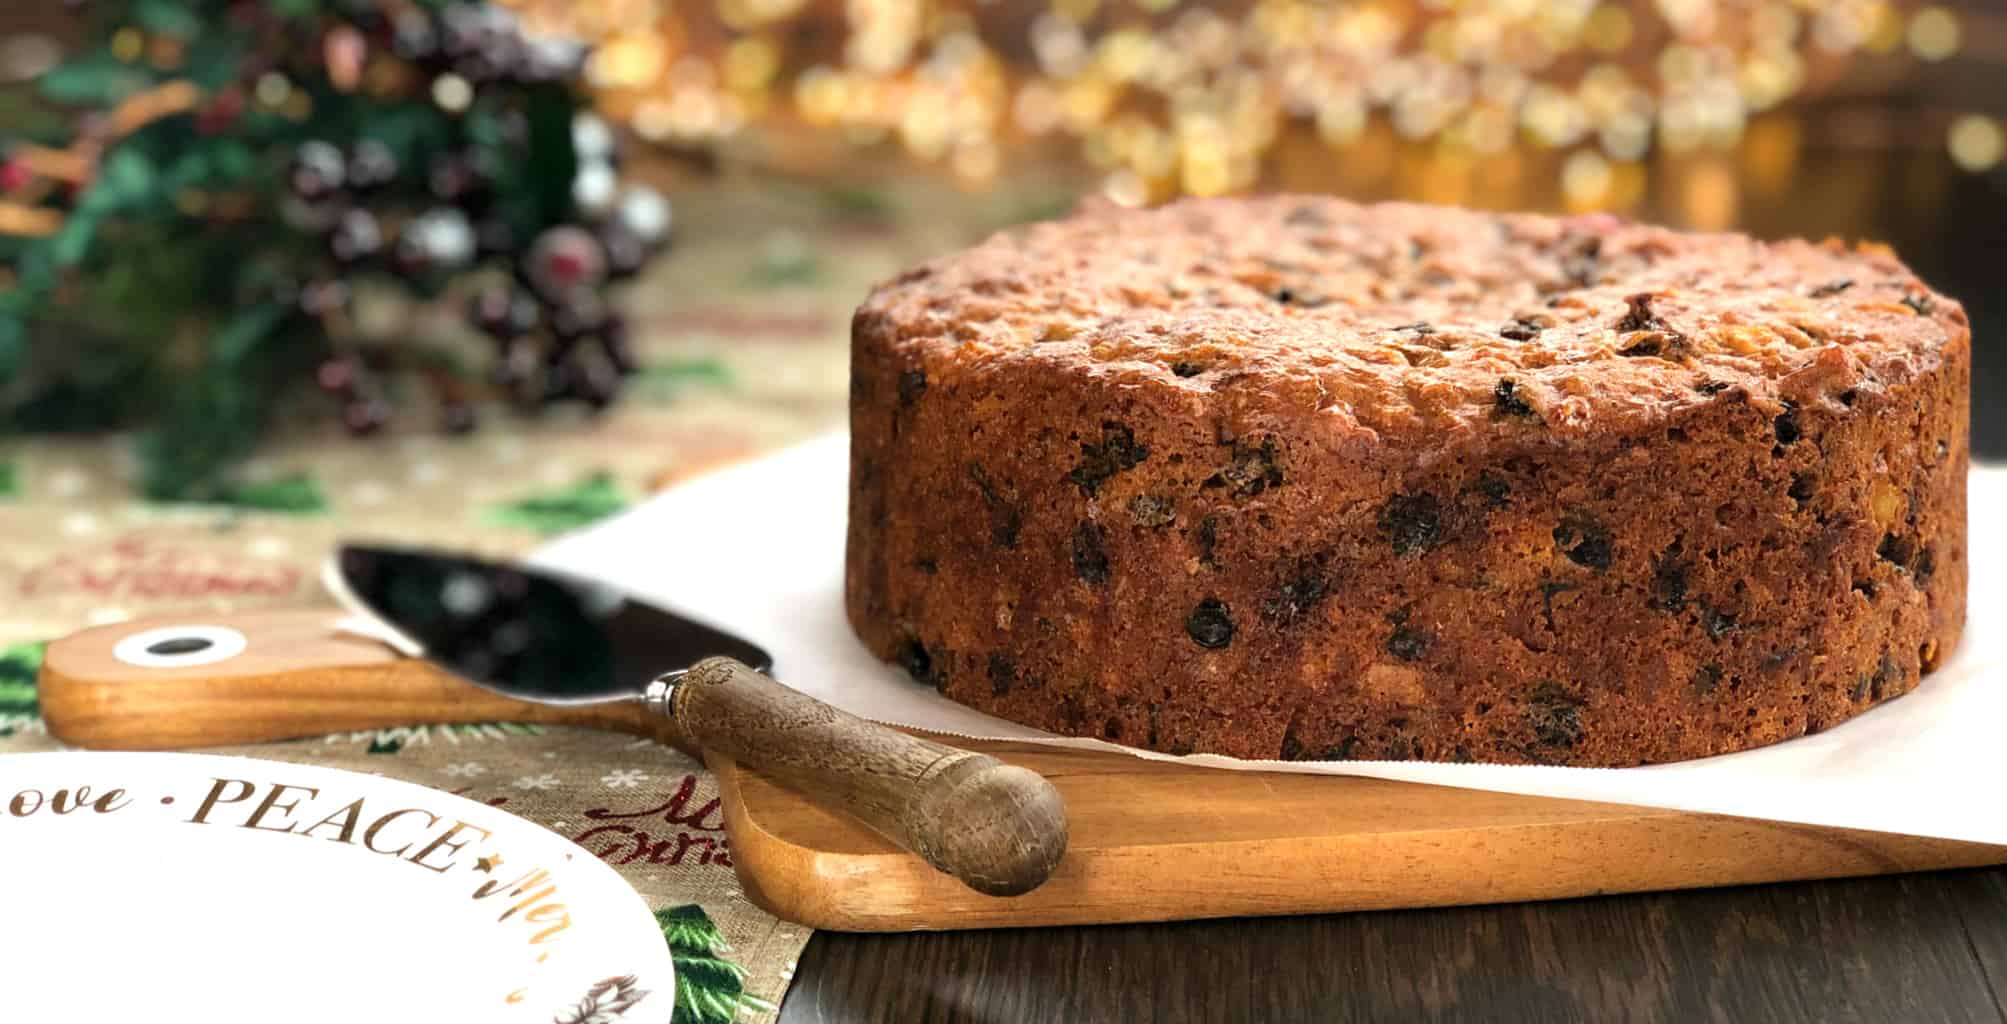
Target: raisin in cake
(1298,478)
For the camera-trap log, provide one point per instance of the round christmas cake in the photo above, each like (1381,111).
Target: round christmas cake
(1298,478)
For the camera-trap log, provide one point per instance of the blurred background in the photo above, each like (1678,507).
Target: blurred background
(485,271)
(277,274)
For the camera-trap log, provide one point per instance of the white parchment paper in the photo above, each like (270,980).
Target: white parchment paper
(758,550)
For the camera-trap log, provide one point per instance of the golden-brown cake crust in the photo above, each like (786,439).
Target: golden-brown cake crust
(1300,478)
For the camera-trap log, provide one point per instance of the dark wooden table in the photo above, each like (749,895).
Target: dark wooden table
(1908,948)
(1928,947)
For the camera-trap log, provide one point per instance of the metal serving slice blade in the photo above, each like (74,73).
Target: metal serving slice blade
(530,634)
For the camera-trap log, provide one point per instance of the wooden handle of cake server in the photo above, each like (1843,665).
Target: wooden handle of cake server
(192,681)
(998,828)
(255,677)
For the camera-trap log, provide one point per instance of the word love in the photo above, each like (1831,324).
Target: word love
(29,802)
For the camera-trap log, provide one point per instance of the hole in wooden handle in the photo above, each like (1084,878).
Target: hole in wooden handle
(180,646)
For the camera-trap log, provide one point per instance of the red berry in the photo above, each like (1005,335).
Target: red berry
(489,311)
(565,258)
(221,112)
(580,314)
(494,237)
(322,298)
(371,165)
(456,418)
(14,174)
(366,416)
(503,313)
(560,382)
(356,237)
(598,383)
(625,253)
(566,267)
(336,376)
(614,342)
(317,172)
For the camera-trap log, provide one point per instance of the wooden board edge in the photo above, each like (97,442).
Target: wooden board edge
(1653,851)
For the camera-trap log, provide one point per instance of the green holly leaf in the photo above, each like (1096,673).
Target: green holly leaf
(582,504)
(10,484)
(244,332)
(13,344)
(34,275)
(99,80)
(293,496)
(785,262)
(19,664)
(69,245)
(666,380)
(862,202)
(126,179)
(233,160)
(192,168)
(551,163)
(30,120)
(210,423)
(167,18)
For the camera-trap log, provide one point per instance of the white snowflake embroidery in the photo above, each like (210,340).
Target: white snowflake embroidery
(544,781)
(624,778)
(465,769)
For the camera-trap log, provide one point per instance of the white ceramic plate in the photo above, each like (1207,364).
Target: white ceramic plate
(193,887)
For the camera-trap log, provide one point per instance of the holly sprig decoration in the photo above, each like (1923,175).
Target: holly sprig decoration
(238,171)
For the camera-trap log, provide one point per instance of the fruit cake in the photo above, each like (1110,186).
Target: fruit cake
(1304,479)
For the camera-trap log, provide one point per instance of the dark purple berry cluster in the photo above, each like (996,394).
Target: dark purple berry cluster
(449,210)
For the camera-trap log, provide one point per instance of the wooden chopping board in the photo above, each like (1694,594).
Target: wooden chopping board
(1149,840)
(1152,841)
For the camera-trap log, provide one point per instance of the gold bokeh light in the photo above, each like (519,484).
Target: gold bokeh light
(1167,97)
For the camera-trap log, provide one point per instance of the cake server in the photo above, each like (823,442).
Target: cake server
(419,626)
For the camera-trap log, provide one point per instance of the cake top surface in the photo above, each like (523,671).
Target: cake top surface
(1401,317)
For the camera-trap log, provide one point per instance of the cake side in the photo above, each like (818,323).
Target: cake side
(1571,556)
